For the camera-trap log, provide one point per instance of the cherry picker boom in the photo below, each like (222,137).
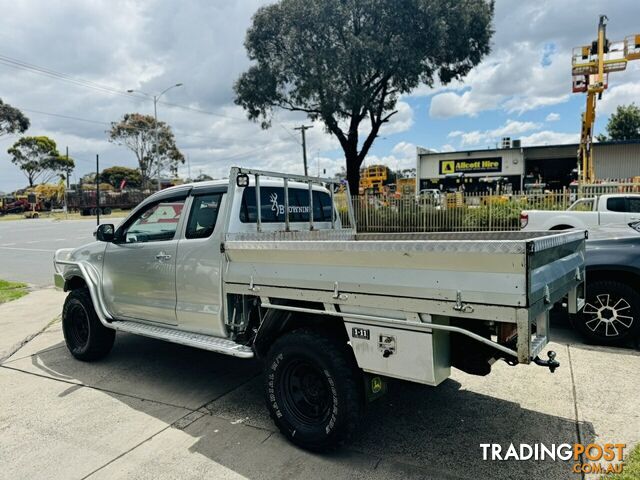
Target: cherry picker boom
(591,65)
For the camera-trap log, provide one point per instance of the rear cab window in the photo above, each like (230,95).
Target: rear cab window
(272,205)
(617,204)
(203,215)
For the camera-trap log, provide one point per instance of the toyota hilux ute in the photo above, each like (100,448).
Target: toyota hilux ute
(266,265)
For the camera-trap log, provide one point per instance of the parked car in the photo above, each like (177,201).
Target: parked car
(261,265)
(611,314)
(612,209)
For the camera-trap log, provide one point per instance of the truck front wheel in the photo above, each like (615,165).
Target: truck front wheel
(86,338)
(314,389)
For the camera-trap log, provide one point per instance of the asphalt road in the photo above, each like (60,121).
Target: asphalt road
(27,246)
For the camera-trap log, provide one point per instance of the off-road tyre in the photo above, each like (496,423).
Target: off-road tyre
(611,314)
(314,389)
(87,339)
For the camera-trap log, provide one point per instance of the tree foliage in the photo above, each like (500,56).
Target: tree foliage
(344,62)
(623,124)
(203,177)
(137,133)
(38,158)
(115,175)
(12,120)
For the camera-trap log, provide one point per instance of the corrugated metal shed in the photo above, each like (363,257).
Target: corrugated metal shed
(616,161)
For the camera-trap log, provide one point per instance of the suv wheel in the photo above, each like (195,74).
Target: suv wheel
(314,389)
(86,337)
(611,314)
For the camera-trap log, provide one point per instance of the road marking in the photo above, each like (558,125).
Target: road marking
(7,245)
(27,249)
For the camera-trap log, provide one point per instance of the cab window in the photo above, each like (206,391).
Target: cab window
(158,222)
(617,204)
(634,204)
(203,215)
(272,205)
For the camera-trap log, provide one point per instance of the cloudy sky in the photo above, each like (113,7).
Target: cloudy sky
(522,90)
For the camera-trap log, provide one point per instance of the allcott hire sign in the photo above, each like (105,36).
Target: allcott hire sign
(477,165)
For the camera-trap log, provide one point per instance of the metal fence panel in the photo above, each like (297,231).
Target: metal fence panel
(454,212)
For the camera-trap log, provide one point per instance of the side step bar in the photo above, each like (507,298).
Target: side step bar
(196,340)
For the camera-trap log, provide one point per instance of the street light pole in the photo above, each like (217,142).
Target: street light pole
(155,119)
(155,123)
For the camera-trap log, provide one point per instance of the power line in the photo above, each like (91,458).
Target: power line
(21,65)
(98,122)
(18,64)
(69,117)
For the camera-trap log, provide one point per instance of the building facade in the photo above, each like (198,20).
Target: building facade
(518,168)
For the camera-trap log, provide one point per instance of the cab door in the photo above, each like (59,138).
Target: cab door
(198,270)
(139,272)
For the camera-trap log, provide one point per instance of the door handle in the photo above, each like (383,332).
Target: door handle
(163,256)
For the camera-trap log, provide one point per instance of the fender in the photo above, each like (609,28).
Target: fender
(91,276)
(568,220)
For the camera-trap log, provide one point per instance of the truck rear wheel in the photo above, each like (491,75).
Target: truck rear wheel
(611,314)
(314,389)
(87,339)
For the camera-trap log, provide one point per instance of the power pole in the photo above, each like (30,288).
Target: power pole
(302,129)
(97,189)
(66,199)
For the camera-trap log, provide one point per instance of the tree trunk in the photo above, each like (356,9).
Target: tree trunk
(353,172)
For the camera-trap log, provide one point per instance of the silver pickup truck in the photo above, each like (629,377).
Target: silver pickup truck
(266,265)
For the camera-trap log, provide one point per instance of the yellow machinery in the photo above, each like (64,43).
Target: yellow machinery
(373,178)
(591,65)
(406,186)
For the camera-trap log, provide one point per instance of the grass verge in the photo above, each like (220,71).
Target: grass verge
(62,216)
(11,290)
(631,467)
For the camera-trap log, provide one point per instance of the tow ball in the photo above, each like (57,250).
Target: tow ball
(552,363)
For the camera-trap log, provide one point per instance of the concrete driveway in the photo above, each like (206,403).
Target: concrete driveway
(155,410)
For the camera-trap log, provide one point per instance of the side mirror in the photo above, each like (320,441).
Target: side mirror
(105,233)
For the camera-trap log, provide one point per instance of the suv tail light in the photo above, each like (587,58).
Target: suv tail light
(524,219)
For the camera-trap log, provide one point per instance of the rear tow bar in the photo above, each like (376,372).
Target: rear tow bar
(552,363)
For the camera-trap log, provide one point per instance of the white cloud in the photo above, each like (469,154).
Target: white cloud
(400,122)
(484,137)
(552,117)
(451,104)
(403,155)
(447,148)
(513,127)
(619,95)
(405,149)
(548,137)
